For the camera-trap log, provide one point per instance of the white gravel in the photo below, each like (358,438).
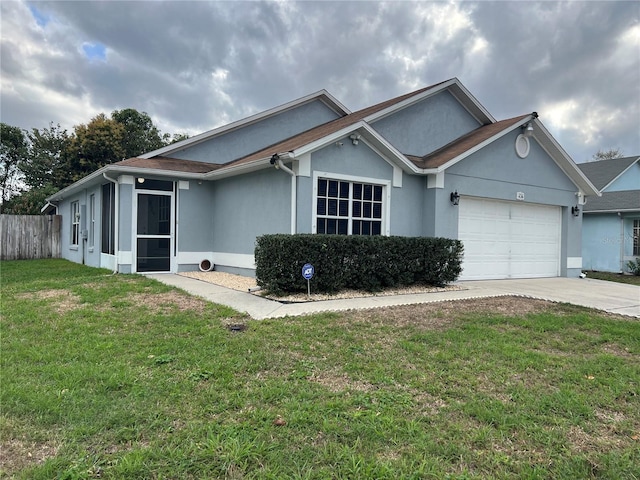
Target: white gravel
(238,282)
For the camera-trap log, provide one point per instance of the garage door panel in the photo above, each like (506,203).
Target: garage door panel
(508,239)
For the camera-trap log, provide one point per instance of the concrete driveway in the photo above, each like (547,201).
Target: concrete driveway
(612,297)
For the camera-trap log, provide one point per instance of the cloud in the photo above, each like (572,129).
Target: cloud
(197,65)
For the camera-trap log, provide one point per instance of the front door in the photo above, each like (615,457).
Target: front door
(154,236)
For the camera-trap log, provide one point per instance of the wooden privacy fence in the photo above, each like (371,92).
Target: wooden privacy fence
(24,237)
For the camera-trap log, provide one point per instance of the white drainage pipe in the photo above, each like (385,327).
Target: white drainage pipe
(206,265)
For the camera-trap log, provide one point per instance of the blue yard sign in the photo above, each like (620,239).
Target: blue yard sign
(307,273)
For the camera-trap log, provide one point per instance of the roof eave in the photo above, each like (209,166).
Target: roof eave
(91,178)
(483,144)
(240,169)
(322,95)
(613,210)
(564,161)
(466,99)
(370,134)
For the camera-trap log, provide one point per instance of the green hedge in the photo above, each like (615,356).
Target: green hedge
(356,262)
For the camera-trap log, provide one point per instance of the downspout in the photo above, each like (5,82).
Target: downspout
(49,204)
(116,222)
(621,242)
(276,161)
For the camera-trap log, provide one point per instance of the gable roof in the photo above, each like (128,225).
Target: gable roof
(321,95)
(604,172)
(609,202)
(158,163)
(356,119)
(466,143)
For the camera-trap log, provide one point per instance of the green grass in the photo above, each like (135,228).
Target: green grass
(114,377)
(614,277)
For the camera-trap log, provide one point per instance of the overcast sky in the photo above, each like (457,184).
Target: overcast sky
(193,66)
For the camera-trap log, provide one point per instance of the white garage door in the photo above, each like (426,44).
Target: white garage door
(508,239)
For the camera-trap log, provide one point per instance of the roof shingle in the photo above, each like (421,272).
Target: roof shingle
(614,201)
(602,172)
(466,142)
(172,164)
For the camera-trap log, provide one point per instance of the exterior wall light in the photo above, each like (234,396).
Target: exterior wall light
(140,179)
(527,130)
(455,198)
(575,211)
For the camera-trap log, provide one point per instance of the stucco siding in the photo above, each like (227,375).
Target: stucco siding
(629,180)
(126,220)
(407,207)
(502,170)
(195,221)
(243,141)
(601,237)
(427,125)
(353,161)
(496,172)
(348,159)
(245,207)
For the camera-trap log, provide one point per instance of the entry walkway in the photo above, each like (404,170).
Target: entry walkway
(611,297)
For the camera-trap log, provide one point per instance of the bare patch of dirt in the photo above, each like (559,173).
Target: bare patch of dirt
(16,455)
(428,404)
(582,441)
(618,351)
(165,303)
(609,416)
(62,301)
(339,382)
(440,315)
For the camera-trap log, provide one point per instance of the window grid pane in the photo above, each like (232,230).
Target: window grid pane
(345,208)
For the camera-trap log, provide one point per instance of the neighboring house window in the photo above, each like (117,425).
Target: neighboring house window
(349,208)
(636,237)
(92,220)
(108,218)
(75,223)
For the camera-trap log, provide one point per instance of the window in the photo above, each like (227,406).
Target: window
(636,237)
(108,218)
(349,208)
(92,220)
(75,223)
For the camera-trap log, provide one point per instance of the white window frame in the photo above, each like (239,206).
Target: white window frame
(75,224)
(386,198)
(635,231)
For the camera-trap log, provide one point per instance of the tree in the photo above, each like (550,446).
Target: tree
(47,162)
(13,149)
(606,155)
(177,137)
(140,134)
(94,145)
(29,202)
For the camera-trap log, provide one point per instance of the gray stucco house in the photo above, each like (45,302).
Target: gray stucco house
(611,223)
(433,162)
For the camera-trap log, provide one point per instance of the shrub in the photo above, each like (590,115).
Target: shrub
(357,262)
(634,267)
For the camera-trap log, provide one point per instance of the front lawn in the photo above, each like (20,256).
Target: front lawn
(120,376)
(614,277)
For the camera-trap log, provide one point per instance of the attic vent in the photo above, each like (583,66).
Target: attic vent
(522,146)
